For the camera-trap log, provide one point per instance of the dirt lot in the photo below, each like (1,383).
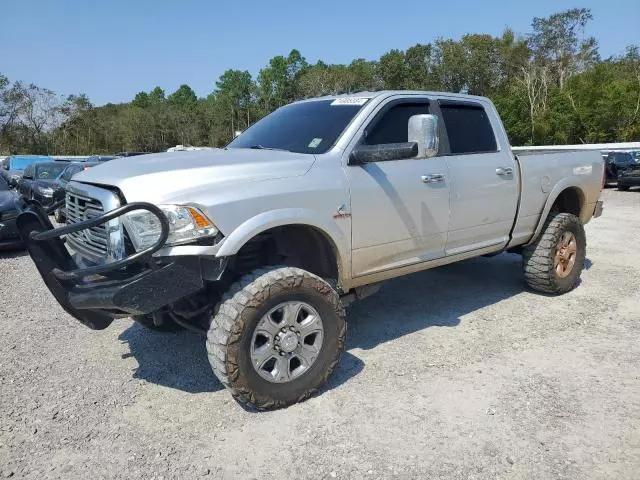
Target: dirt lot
(458,372)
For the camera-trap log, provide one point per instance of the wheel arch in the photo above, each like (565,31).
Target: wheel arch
(301,229)
(566,197)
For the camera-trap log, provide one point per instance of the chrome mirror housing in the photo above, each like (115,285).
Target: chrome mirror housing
(423,129)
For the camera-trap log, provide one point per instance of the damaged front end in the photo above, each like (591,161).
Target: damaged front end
(137,284)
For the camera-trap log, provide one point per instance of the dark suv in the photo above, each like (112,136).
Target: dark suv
(624,167)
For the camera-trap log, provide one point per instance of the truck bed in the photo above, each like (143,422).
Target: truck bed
(544,174)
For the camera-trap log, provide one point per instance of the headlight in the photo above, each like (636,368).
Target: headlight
(185,225)
(45,191)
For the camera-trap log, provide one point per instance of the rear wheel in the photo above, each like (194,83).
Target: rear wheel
(553,263)
(276,337)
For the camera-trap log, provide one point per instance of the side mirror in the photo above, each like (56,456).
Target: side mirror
(423,130)
(382,153)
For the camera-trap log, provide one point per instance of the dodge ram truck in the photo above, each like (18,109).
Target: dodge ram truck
(262,244)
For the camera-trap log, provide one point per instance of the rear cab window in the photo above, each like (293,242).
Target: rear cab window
(468,128)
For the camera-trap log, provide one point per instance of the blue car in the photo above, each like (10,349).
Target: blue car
(14,165)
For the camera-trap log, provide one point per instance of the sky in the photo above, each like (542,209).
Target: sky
(112,49)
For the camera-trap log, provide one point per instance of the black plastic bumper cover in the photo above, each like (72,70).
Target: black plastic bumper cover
(91,295)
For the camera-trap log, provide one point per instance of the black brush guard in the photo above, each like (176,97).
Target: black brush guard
(96,295)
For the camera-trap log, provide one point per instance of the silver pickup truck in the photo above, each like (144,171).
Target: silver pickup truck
(262,244)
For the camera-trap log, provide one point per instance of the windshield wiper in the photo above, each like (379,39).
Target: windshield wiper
(262,147)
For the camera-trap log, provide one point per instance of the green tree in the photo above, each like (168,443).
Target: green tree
(419,64)
(141,100)
(559,42)
(234,93)
(277,82)
(156,96)
(393,70)
(184,98)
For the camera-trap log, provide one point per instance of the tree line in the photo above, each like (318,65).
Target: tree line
(550,87)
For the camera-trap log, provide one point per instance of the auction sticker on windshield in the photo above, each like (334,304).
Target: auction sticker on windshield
(315,142)
(350,101)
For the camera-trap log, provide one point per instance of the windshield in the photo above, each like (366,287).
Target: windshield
(49,171)
(307,127)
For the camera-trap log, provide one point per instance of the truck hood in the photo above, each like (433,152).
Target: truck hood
(157,177)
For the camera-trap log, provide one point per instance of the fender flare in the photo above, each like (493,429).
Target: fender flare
(560,187)
(288,216)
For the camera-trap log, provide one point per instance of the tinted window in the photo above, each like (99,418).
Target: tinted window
(621,158)
(468,129)
(307,127)
(393,127)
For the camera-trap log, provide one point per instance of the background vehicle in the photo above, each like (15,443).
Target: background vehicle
(60,213)
(39,181)
(623,168)
(9,236)
(262,244)
(130,154)
(14,165)
(102,158)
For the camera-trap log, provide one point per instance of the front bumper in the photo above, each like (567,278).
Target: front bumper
(629,181)
(96,295)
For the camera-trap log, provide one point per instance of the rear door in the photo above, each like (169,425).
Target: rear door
(398,218)
(484,178)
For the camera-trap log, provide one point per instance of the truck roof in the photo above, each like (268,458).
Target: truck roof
(386,93)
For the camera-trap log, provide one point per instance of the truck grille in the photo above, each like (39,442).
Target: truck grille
(99,244)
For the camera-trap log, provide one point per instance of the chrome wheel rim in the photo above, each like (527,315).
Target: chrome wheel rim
(286,342)
(565,257)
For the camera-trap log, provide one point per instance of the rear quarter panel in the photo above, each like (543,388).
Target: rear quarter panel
(545,175)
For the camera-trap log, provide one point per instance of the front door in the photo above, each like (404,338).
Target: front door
(400,208)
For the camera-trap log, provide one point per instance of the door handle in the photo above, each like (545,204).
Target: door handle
(504,171)
(435,178)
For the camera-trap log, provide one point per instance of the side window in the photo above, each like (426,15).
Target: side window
(468,129)
(393,126)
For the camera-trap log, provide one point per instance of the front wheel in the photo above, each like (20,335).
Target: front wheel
(553,263)
(277,336)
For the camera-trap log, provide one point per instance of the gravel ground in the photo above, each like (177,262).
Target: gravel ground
(458,372)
